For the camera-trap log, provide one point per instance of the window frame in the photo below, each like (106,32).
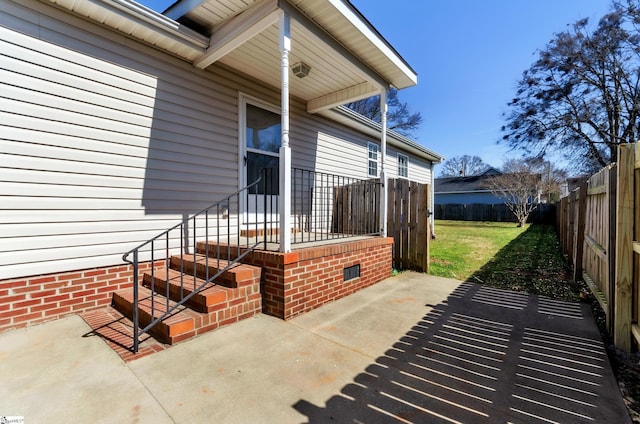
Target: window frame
(400,166)
(375,161)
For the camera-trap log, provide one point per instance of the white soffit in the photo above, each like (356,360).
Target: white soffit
(337,18)
(351,29)
(138,21)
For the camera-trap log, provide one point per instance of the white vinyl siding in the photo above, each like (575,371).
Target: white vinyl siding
(103,142)
(106,142)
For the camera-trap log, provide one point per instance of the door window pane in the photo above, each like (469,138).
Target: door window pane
(263,130)
(269,184)
(263,140)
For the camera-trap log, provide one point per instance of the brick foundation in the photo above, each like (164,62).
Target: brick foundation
(292,283)
(36,299)
(300,281)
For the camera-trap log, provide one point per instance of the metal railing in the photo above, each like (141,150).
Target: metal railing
(329,206)
(219,223)
(323,207)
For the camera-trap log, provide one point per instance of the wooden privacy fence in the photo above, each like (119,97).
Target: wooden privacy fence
(544,213)
(598,225)
(356,211)
(408,223)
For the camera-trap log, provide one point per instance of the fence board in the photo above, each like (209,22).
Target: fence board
(580,224)
(408,223)
(624,249)
(611,258)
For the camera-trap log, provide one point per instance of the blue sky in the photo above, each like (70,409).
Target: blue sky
(469,56)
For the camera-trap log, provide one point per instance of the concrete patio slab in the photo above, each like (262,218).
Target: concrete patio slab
(51,373)
(413,348)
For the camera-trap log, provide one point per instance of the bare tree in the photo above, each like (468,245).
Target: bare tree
(399,118)
(463,166)
(551,177)
(581,97)
(519,187)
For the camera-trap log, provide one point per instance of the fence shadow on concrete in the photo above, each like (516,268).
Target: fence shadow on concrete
(485,355)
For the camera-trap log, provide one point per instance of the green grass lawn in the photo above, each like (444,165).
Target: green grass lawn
(502,255)
(463,247)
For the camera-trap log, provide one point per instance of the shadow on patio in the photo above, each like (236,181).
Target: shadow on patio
(486,355)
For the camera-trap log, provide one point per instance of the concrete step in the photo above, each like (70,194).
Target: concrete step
(239,275)
(181,285)
(179,326)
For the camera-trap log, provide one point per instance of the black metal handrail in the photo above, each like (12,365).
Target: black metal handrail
(222,210)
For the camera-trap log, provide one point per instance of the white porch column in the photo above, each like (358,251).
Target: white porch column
(383,165)
(284,198)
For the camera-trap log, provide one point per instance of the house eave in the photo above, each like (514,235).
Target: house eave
(367,126)
(141,22)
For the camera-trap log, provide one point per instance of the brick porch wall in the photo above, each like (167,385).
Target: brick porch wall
(292,283)
(300,281)
(36,299)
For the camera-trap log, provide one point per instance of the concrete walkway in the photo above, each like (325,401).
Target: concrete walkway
(413,348)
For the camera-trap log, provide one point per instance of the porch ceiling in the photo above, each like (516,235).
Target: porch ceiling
(349,60)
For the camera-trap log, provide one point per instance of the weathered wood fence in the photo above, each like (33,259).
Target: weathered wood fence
(356,211)
(543,214)
(408,223)
(598,225)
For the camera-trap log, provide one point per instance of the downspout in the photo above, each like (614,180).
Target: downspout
(383,168)
(284,198)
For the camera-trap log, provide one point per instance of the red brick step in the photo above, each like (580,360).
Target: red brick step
(176,327)
(239,275)
(205,301)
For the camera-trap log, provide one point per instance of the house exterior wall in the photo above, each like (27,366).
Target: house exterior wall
(106,142)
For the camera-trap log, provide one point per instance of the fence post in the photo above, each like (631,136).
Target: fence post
(582,211)
(624,249)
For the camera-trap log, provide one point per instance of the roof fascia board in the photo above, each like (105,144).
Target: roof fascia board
(365,28)
(368,126)
(239,30)
(181,8)
(351,94)
(312,27)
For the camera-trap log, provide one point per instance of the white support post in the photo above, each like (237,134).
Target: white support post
(284,198)
(383,168)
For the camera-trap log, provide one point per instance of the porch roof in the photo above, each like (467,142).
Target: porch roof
(349,59)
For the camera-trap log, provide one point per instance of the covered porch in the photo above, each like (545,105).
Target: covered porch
(324,54)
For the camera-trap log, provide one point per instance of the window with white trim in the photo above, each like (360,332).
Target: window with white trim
(373,159)
(403,166)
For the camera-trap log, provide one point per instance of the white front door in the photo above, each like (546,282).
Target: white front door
(260,145)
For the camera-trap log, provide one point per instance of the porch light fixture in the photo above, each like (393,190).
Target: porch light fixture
(301,69)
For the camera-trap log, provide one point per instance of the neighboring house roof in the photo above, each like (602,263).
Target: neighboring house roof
(471,184)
